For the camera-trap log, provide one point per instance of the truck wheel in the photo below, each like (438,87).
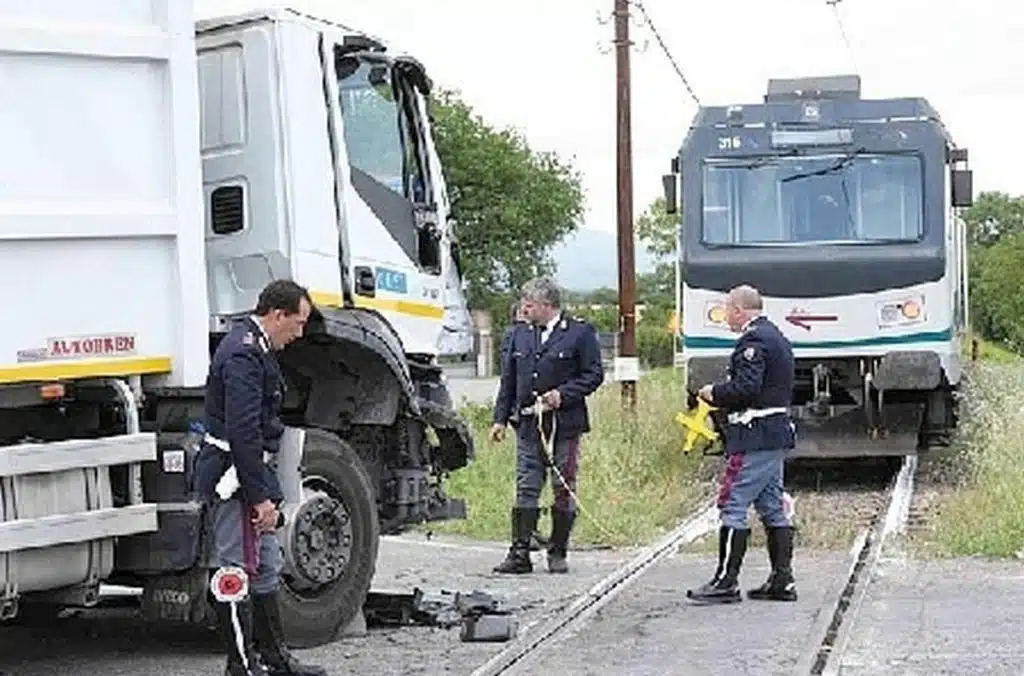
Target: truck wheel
(337,547)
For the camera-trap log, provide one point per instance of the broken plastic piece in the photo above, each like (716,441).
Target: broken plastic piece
(489,628)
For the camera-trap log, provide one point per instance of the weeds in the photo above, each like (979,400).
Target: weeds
(985,515)
(634,478)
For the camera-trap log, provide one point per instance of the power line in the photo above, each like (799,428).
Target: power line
(834,4)
(664,48)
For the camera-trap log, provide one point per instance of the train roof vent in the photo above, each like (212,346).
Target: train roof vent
(825,87)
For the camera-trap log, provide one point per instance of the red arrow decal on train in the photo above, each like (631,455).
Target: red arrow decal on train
(805,321)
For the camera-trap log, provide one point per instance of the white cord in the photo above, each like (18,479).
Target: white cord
(548,444)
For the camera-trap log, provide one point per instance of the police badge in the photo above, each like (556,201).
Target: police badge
(748,354)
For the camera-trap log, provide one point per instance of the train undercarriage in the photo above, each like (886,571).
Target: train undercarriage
(860,407)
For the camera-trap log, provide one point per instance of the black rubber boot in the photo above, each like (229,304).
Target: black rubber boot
(558,548)
(270,640)
(524,523)
(235,625)
(724,586)
(780,585)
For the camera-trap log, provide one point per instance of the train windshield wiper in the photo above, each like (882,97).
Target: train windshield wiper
(840,164)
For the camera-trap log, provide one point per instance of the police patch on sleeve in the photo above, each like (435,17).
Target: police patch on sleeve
(748,354)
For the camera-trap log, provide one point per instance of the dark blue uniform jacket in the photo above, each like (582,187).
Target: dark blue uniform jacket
(761,373)
(569,361)
(243,400)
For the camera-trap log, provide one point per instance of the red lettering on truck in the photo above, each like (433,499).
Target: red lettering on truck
(109,345)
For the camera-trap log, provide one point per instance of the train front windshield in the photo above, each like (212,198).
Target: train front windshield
(799,200)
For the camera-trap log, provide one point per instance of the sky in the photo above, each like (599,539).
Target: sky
(547,68)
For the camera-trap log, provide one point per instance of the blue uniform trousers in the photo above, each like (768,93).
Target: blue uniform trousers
(753,477)
(234,542)
(532,467)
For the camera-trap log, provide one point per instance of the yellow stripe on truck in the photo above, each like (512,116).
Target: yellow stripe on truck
(404,307)
(83,368)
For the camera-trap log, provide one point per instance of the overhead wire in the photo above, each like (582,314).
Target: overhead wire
(834,4)
(664,48)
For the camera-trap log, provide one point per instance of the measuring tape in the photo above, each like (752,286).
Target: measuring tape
(548,445)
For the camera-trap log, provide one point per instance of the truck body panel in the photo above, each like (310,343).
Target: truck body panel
(86,224)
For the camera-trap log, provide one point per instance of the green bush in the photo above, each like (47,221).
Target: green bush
(654,344)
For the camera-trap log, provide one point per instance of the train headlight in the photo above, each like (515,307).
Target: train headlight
(911,309)
(901,312)
(714,314)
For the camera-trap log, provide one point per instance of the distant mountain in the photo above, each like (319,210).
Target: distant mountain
(588,260)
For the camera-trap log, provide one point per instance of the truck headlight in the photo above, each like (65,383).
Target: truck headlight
(909,310)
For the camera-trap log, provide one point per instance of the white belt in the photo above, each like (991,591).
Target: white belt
(228,483)
(748,416)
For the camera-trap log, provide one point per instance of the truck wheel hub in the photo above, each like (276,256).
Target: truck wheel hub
(323,538)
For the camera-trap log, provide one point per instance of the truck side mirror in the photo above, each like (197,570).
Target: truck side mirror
(962,188)
(429,246)
(669,183)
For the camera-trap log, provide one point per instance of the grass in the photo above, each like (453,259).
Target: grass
(633,478)
(981,512)
(994,353)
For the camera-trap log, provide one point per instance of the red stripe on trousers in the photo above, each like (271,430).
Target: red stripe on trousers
(250,550)
(732,468)
(571,466)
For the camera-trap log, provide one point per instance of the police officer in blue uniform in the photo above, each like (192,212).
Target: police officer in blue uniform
(758,436)
(553,360)
(243,430)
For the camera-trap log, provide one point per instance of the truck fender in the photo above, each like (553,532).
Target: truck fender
(355,366)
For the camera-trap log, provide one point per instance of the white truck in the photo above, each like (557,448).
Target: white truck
(156,173)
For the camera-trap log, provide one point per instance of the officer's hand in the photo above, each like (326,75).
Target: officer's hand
(705,394)
(552,398)
(264,517)
(691,399)
(497,433)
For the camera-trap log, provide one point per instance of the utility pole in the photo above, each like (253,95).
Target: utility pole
(627,365)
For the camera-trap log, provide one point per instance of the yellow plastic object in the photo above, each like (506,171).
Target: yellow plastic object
(697,425)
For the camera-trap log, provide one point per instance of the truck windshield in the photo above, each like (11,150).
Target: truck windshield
(860,198)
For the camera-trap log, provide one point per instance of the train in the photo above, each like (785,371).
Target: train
(846,214)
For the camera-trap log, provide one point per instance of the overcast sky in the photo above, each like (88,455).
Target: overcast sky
(546,67)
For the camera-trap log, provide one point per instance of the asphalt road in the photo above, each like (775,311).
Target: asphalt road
(950,617)
(113,642)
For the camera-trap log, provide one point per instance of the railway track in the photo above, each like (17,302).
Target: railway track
(885,503)
(519,653)
(840,618)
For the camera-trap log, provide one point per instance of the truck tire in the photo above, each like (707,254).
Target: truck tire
(311,618)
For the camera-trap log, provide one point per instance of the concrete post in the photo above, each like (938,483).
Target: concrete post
(485,344)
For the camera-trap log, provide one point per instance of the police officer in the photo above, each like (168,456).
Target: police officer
(243,428)
(554,360)
(758,435)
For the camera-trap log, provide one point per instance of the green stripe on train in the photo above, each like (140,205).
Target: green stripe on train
(710,342)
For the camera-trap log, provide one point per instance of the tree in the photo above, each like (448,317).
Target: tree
(995,225)
(994,215)
(657,230)
(510,204)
